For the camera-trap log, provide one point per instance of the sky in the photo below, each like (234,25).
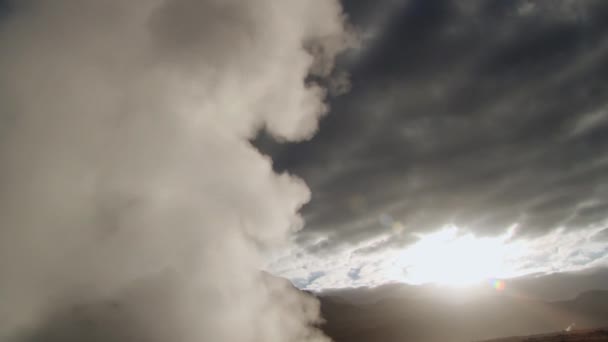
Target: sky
(472,144)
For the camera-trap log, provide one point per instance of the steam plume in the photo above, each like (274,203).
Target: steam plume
(133,206)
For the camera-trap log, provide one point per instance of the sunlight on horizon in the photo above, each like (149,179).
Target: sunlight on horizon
(451,257)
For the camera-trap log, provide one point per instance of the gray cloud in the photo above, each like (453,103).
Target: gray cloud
(602,235)
(473,113)
(133,206)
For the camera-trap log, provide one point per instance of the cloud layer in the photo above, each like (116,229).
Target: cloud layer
(469,113)
(133,206)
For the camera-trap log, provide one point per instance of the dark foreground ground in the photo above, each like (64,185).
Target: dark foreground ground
(459,316)
(592,335)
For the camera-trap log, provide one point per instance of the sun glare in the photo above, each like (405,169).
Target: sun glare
(450,257)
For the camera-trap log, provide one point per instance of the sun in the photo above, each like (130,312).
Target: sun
(450,257)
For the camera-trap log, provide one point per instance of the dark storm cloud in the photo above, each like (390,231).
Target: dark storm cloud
(474,113)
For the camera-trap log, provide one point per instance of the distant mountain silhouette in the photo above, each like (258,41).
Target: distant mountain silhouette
(435,314)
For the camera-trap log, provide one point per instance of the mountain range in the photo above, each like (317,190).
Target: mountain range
(399,312)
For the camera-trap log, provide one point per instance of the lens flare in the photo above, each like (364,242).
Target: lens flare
(498,285)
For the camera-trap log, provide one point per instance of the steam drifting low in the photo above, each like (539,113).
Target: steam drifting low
(132,205)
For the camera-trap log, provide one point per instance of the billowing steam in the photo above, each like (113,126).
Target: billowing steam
(132,204)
